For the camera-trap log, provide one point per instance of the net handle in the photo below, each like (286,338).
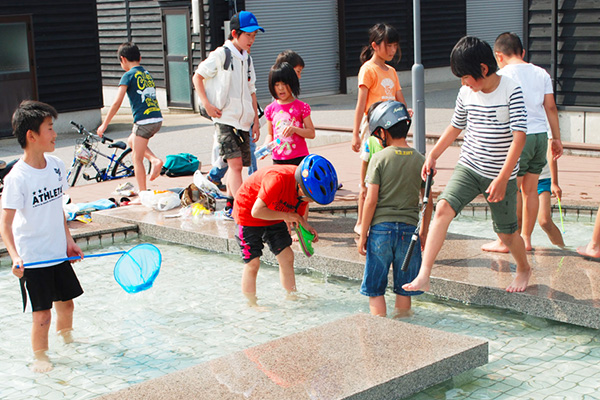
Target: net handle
(57,260)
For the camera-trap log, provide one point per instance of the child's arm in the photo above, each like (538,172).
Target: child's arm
(400,98)
(553,163)
(552,114)
(72,248)
(256,124)
(6,221)
(497,188)
(270,136)
(448,137)
(367,216)
(198,81)
(113,110)
(361,102)
(261,211)
(308,132)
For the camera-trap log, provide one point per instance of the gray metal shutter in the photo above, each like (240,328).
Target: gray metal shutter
(487,19)
(310,28)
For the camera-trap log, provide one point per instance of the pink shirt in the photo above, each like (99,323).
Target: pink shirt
(282,115)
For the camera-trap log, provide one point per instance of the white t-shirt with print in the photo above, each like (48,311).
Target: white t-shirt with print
(39,223)
(535,83)
(488,121)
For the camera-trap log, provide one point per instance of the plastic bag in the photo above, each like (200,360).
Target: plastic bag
(161,200)
(201,182)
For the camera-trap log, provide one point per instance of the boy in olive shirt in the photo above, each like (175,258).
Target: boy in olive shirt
(391,209)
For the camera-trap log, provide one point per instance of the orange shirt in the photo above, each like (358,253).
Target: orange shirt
(276,186)
(382,85)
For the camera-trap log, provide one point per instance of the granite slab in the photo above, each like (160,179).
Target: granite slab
(357,357)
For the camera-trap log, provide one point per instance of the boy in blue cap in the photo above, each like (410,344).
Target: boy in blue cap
(232,106)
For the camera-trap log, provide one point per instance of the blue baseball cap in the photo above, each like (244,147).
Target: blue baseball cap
(245,21)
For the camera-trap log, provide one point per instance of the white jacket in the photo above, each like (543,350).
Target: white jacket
(230,90)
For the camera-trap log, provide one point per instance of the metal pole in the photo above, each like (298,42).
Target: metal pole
(418,84)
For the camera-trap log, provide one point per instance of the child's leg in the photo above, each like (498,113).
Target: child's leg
(516,245)
(497,246)
(249,280)
(545,220)
(402,306)
(531,204)
(286,269)
(140,150)
(377,306)
(593,247)
(234,175)
(64,319)
(39,340)
(444,214)
(362,193)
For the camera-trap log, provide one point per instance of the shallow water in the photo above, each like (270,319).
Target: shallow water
(195,312)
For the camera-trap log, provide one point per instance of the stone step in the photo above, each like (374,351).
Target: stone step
(357,357)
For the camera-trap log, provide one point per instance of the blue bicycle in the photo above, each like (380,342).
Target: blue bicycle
(120,162)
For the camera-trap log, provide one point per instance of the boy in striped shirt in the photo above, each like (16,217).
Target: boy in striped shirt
(491,110)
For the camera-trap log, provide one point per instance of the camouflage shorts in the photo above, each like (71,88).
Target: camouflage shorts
(233,143)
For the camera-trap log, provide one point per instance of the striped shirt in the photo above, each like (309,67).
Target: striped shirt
(489,120)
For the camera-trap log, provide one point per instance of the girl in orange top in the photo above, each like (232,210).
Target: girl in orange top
(377,81)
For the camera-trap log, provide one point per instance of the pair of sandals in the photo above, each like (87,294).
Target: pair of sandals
(123,202)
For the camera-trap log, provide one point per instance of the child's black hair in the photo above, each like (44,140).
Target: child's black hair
(290,57)
(509,44)
(380,33)
(130,51)
(284,73)
(29,116)
(397,131)
(468,55)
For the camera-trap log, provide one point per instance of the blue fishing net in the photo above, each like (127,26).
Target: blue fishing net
(137,269)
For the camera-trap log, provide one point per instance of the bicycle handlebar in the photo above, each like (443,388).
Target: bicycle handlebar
(82,129)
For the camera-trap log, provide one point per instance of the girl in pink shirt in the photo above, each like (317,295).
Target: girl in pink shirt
(288,119)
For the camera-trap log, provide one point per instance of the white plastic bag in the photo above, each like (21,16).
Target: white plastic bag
(160,200)
(204,184)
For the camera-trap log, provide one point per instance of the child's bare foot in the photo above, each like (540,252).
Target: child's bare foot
(42,362)
(519,284)
(66,335)
(589,251)
(527,242)
(496,246)
(420,283)
(156,168)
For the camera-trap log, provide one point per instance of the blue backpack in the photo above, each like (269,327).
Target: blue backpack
(181,164)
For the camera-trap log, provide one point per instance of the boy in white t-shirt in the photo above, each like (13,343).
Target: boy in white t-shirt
(34,228)
(539,101)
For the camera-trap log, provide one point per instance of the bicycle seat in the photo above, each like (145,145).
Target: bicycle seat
(119,144)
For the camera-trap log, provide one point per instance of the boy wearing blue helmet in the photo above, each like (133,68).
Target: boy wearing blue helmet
(268,204)
(391,209)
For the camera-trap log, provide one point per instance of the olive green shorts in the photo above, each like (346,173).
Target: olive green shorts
(533,156)
(465,184)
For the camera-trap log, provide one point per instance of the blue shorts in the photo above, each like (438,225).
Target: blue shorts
(544,185)
(387,244)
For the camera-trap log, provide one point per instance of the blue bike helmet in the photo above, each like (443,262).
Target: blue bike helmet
(317,179)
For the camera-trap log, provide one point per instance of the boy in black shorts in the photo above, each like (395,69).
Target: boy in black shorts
(34,228)
(269,203)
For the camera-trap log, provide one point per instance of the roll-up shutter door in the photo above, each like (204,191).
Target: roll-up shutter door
(487,19)
(310,28)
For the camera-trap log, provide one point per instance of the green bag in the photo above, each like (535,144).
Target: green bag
(181,164)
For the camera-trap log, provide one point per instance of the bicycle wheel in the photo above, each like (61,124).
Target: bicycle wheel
(74,173)
(124,165)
